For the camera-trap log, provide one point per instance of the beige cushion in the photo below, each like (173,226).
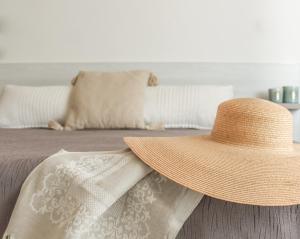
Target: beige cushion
(108,100)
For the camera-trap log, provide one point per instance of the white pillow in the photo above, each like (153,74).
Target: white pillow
(175,106)
(192,106)
(29,107)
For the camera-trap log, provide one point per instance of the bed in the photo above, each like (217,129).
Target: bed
(23,149)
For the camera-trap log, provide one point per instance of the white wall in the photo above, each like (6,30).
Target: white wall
(149,30)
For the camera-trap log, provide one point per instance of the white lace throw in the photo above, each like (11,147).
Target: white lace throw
(99,195)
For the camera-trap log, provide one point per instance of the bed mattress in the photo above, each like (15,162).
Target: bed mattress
(23,149)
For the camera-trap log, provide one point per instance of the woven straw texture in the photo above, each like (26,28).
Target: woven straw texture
(249,157)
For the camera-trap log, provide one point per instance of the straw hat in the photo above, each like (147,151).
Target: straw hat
(249,157)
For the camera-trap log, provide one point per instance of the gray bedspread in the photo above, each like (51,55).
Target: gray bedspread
(22,149)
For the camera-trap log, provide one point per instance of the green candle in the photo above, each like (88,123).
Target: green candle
(276,95)
(291,94)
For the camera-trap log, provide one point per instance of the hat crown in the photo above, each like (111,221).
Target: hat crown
(253,123)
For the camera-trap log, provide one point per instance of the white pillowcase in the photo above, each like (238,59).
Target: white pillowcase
(30,107)
(174,106)
(192,106)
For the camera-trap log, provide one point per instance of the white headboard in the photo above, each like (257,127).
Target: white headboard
(248,79)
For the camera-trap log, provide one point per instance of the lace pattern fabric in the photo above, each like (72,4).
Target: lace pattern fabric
(99,195)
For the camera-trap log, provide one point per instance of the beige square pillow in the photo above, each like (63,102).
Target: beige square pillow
(108,100)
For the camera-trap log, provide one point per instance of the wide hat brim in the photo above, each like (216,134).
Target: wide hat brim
(228,172)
